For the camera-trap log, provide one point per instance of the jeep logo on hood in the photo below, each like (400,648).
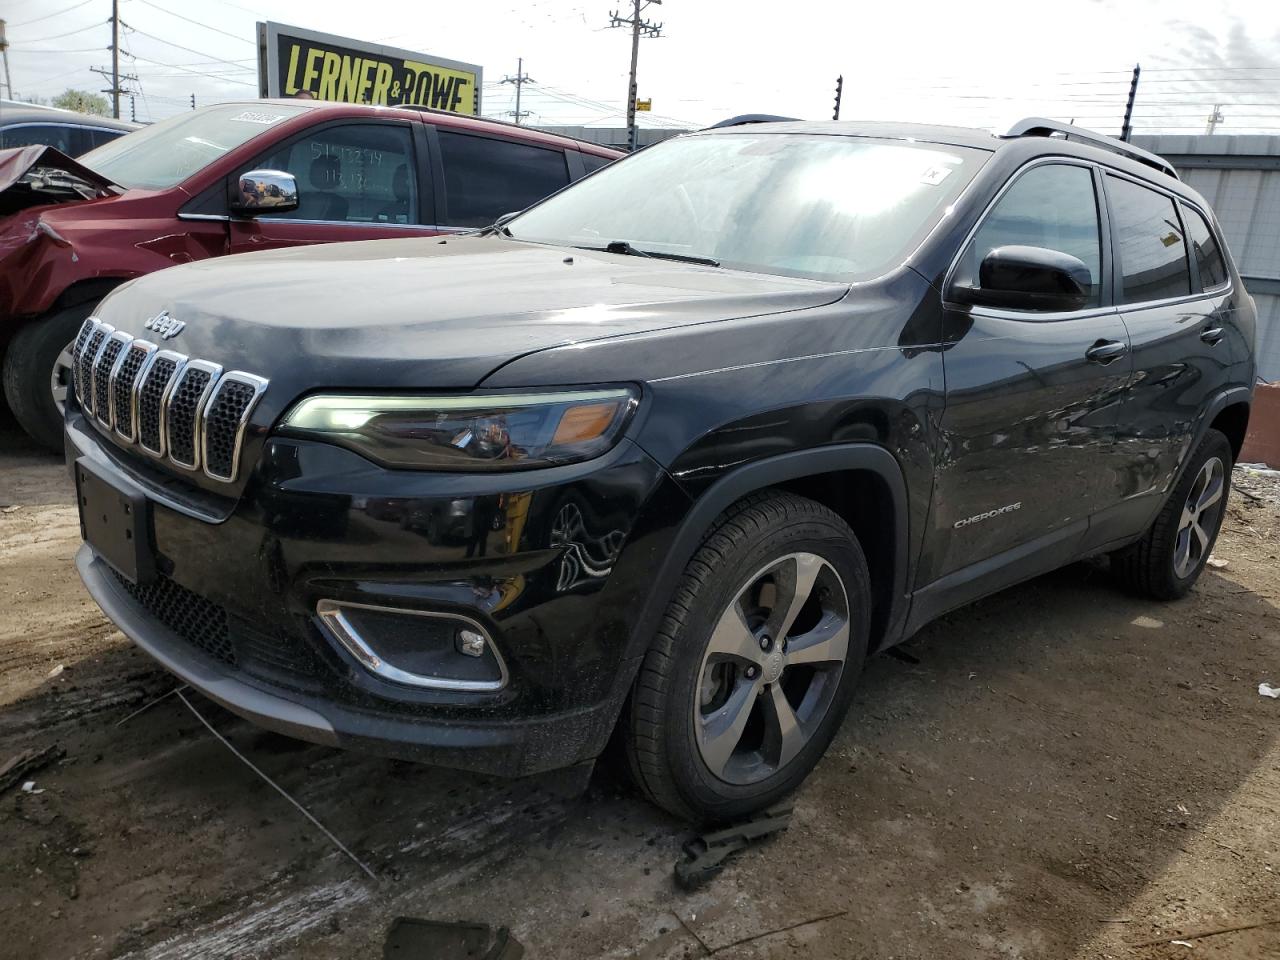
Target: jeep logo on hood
(166,326)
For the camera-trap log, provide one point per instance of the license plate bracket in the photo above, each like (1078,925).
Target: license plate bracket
(115,519)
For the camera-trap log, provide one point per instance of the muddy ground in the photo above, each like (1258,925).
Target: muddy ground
(1068,772)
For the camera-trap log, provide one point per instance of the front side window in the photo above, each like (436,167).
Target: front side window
(485,178)
(801,205)
(166,153)
(1053,206)
(1204,247)
(354,173)
(1149,243)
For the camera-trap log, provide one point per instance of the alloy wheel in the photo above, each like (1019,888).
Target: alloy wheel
(771,668)
(1199,517)
(60,377)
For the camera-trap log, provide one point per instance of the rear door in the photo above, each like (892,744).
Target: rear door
(357,180)
(1177,310)
(1031,401)
(481,177)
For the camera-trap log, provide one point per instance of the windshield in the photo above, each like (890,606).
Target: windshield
(823,207)
(168,152)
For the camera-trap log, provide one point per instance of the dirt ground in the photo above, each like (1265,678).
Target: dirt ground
(1067,772)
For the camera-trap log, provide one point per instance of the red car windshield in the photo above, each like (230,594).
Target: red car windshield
(168,152)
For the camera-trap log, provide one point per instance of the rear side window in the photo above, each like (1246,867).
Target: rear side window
(1204,247)
(486,178)
(1053,206)
(354,173)
(1149,243)
(594,163)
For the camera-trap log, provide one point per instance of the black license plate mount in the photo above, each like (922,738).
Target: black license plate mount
(115,520)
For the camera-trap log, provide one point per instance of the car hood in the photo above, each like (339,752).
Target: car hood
(36,176)
(431,312)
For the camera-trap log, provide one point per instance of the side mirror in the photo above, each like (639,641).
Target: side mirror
(264,191)
(1029,278)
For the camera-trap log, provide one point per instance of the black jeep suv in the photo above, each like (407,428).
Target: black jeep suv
(669,454)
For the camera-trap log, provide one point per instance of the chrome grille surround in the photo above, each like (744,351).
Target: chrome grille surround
(159,400)
(183,410)
(229,400)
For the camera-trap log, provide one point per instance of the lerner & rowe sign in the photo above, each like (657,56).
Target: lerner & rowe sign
(293,62)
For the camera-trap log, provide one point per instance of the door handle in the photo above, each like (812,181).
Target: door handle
(1105,351)
(1212,336)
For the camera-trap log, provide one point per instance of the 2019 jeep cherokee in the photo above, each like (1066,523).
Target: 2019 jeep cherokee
(671,453)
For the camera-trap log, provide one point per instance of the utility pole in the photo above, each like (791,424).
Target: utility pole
(1215,118)
(116,78)
(115,58)
(520,79)
(638,27)
(1127,129)
(133,108)
(4,49)
(193,101)
(839,88)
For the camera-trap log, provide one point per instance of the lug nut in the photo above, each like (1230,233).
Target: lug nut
(752,672)
(765,643)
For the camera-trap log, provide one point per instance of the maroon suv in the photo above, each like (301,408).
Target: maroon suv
(231,178)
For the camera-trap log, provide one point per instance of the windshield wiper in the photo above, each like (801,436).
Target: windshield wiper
(623,247)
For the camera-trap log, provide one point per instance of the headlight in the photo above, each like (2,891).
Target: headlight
(498,431)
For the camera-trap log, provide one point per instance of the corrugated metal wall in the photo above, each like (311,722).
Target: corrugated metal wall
(1240,177)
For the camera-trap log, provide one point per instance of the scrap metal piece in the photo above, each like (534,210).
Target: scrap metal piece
(413,939)
(707,855)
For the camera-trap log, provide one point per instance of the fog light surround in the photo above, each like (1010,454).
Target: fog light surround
(469,642)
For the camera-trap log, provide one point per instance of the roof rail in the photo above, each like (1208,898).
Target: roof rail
(1043,127)
(746,118)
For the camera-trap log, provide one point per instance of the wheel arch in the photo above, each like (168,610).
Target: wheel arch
(1232,419)
(861,482)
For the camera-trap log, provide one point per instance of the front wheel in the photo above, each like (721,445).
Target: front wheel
(1170,557)
(37,372)
(755,663)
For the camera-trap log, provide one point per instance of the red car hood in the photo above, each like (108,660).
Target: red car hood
(47,163)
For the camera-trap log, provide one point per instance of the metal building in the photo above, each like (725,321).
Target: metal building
(1240,177)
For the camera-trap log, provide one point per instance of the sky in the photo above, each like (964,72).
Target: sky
(982,63)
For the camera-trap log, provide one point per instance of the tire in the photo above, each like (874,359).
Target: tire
(683,747)
(1170,557)
(31,363)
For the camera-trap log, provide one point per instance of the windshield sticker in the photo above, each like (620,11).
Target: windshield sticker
(253,116)
(935,173)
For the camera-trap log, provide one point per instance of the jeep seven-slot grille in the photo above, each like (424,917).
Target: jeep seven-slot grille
(186,410)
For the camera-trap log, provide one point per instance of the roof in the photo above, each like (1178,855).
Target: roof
(924,132)
(449,118)
(15,111)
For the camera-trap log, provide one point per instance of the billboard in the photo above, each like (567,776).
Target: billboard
(293,62)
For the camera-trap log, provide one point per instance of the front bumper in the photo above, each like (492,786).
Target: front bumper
(315,522)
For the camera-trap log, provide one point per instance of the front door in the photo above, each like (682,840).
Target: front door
(356,181)
(1032,399)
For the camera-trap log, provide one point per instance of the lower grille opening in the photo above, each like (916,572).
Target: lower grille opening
(208,627)
(198,621)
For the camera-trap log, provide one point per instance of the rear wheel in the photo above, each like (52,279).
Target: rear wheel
(755,663)
(1168,560)
(37,372)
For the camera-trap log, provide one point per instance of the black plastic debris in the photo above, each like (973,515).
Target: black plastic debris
(707,855)
(411,939)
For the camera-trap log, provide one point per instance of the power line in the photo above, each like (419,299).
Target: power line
(198,53)
(225,33)
(194,73)
(69,33)
(56,13)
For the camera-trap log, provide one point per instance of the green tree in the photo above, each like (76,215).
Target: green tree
(82,102)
